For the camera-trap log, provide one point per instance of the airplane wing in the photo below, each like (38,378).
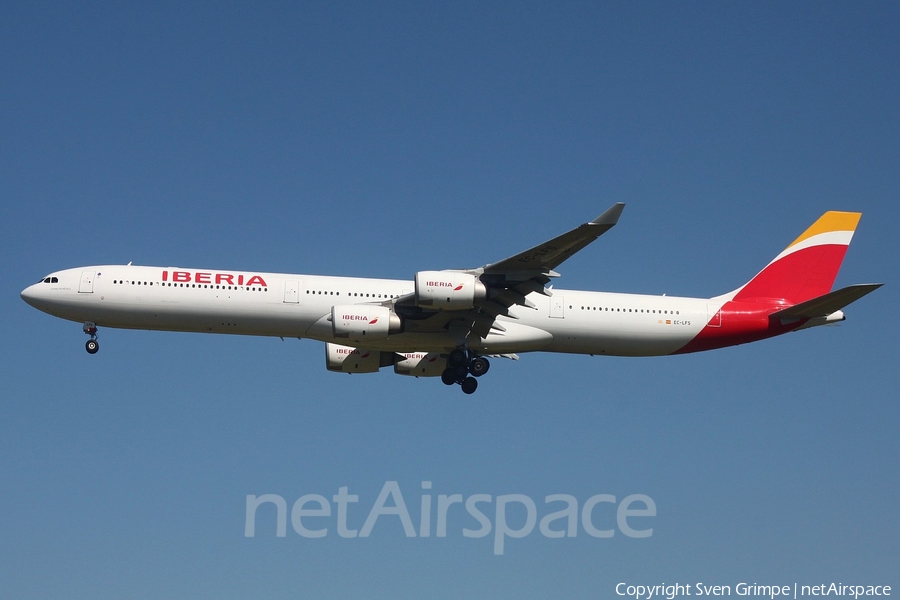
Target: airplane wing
(510,280)
(549,255)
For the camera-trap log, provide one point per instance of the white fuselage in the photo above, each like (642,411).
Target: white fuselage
(287,305)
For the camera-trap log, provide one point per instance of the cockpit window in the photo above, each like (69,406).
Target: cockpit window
(49,280)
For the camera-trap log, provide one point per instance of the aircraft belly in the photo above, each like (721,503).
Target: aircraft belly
(516,338)
(209,315)
(621,343)
(626,335)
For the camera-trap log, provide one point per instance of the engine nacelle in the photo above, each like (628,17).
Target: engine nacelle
(344,359)
(362,322)
(446,290)
(421,364)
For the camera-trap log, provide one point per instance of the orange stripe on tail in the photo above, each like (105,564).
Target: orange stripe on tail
(833,220)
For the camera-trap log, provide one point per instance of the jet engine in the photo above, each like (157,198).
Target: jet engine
(447,290)
(421,364)
(345,359)
(362,322)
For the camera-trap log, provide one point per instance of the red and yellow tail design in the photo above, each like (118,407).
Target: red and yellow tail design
(808,267)
(789,292)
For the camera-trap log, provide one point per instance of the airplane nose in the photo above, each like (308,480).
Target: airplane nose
(29,295)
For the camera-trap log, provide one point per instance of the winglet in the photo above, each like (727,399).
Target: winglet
(611,216)
(544,258)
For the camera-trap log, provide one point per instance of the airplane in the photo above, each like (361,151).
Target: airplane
(448,323)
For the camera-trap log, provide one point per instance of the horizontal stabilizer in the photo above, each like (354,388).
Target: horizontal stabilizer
(827,304)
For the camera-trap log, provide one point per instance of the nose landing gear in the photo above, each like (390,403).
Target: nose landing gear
(463,368)
(92,346)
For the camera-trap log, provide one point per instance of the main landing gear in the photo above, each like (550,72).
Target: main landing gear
(463,368)
(91,345)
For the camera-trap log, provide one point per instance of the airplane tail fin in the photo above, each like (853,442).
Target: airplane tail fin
(808,267)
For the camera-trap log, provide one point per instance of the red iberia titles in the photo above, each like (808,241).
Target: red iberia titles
(351,352)
(419,356)
(443,284)
(213,278)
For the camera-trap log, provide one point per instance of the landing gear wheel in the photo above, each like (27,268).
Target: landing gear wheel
(91,329)
(462,368)
(479,366)
(457,358)
(449,376)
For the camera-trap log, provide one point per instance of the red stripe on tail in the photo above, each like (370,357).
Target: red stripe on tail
(797,277)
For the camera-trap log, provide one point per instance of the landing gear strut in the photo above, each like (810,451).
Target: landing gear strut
(91,345)
(463,367)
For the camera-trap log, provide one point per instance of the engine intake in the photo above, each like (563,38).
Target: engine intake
(448,290)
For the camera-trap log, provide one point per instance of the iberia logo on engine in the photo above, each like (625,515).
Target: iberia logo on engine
(443,284)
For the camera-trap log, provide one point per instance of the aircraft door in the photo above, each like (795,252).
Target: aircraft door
(292,292)
(557,307)
(87,283)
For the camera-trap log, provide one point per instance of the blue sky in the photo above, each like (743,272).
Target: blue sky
(372,140)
